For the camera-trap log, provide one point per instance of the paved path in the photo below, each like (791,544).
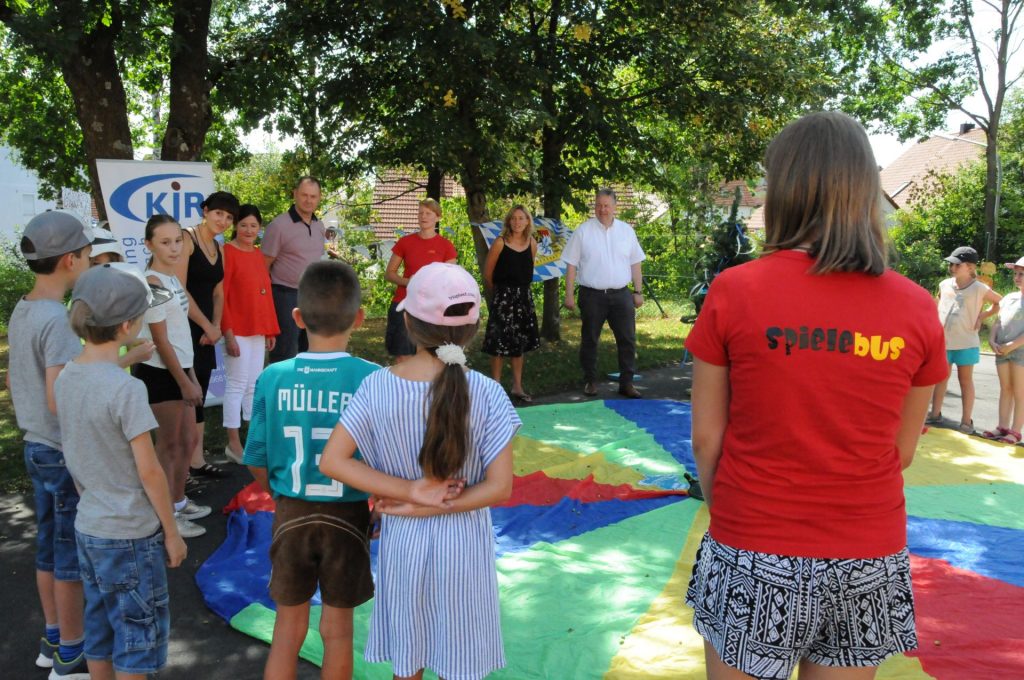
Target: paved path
(203,646)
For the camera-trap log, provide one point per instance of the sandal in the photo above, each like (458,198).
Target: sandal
(521,396)
(997,433)
(966,428)
(1010,437)
(207,470)
(933,420)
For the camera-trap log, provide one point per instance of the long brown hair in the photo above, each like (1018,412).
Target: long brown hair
(446,441)
(824,191)
(506,226)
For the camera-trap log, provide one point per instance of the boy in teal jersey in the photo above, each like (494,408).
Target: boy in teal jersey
(321,528)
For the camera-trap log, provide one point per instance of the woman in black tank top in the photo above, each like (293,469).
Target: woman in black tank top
(201,271)
(512,323)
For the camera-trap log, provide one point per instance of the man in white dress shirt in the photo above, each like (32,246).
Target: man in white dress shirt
(606,256)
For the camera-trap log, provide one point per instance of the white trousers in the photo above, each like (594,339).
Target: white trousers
(240,378)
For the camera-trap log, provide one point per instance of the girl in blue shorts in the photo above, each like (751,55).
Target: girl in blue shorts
(961,310)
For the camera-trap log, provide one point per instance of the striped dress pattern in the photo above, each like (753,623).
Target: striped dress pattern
(436,603)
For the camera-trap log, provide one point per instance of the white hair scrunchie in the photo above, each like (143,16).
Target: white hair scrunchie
(451,354)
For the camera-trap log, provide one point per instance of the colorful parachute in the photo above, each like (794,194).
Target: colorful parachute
(597,543)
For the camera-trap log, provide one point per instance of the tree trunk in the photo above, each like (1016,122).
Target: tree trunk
(189,115)
(476,204)
(554,190)
(993,191)
(434,179)
(91,73)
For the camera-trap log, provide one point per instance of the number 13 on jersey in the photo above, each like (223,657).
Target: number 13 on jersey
(318,434)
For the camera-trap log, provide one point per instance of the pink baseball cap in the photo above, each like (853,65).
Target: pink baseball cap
(435,288)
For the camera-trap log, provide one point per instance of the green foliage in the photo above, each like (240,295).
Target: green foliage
(950,211)
(260,181)
(37,118)
(917,256)
(359,248)
(15,280)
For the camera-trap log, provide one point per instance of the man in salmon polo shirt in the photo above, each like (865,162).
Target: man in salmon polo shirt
(292,241)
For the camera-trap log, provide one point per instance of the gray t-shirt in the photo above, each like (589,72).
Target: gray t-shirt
(102,409)
(1009,324)
(39,338)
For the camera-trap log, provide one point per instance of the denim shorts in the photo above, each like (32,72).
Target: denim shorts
(763,613)
(127,613)
(1014,357)
(56,501)
(964,357)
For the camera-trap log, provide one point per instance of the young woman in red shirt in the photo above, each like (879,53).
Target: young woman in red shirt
(813,369)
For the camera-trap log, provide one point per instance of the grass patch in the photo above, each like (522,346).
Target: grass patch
(552,368)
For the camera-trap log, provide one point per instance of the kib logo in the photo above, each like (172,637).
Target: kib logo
(167,194)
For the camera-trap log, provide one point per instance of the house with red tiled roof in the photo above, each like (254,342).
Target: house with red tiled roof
(751,200)
(943,153)
(397,193)
(396,197)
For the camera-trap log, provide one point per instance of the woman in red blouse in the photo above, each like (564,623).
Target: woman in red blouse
(249,323)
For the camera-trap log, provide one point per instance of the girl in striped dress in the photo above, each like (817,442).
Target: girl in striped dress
(436,447)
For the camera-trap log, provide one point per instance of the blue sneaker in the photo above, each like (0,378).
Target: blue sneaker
(76,669)
(46,652)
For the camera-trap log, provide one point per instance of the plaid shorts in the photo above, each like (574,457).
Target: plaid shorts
(763,613)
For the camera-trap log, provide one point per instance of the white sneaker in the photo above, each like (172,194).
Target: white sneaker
(193,511)
(188,529)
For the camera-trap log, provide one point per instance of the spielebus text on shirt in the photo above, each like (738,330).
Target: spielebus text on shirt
(877,347)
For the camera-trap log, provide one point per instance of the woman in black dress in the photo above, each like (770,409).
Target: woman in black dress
(512,324)
(201,271)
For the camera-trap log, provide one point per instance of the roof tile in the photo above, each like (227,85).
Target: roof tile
(941,154)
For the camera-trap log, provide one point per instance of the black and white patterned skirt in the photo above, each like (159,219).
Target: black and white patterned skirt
(512,325)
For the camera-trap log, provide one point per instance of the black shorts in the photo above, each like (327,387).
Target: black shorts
(320,543)
(396,339)
(160,384)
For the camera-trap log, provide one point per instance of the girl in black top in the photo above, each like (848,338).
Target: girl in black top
(512,324)
(201,271)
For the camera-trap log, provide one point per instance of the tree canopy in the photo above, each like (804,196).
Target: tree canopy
(96,79)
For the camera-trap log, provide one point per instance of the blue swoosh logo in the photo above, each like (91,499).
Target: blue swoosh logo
(119,199)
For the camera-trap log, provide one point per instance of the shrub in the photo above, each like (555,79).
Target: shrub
(918,255)
(15,279)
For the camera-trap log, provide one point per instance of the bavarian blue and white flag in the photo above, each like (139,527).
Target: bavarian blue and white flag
(551,237)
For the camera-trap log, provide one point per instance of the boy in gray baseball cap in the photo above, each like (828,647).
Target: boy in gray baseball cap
(125,521)
(56,246)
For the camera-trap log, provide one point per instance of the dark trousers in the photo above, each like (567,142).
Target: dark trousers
(292,339)
(204,360)
(615,306)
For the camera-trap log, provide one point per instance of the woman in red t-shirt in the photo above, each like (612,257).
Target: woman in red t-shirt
(249,323)
(812,373)
(412,253)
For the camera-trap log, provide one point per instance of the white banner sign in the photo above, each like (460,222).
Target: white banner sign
(134,191)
